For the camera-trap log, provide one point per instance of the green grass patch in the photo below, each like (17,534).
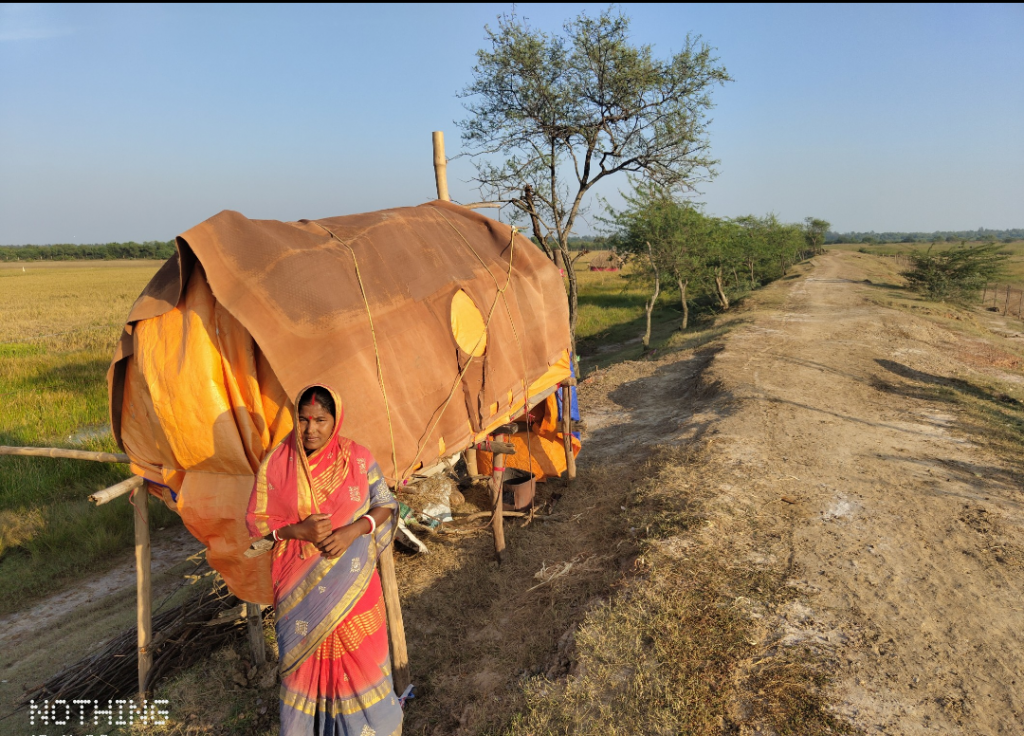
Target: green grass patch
(612,319)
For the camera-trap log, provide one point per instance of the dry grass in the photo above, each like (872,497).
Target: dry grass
(674,652)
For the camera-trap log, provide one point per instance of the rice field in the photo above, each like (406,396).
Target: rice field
(59,323)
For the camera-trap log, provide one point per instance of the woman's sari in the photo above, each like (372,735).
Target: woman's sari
(331,626)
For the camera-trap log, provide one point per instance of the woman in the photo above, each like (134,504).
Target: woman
(324,501)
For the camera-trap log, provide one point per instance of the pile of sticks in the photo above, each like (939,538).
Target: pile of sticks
(185,635)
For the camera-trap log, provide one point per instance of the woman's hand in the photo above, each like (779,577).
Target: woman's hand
(314,528)
(336,544)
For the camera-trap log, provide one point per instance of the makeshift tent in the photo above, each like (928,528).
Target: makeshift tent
(435,324)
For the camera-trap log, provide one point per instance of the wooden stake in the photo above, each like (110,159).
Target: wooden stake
(471,467)
(102,457)
(1006,305)
(1020,303)
(396,628)
(497,486)
(109,494)
(144,603)
(570,459)
(254,622)
(440,167)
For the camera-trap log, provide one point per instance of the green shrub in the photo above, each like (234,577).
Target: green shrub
(956,274)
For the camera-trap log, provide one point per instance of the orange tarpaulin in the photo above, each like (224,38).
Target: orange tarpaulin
(541,451)
(434,323)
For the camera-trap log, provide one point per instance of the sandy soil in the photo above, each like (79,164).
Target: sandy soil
(905,537)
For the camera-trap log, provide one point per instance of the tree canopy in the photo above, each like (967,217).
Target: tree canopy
(552,115)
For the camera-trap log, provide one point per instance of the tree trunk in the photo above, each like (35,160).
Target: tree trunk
(750,262)
(722,298)
(574,293)
(735,278)
(650,308)
(535,221)
(654,298)
(686,307)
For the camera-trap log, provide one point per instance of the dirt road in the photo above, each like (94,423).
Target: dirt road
(905,536)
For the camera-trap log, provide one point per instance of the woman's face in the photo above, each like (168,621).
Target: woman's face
(315,426)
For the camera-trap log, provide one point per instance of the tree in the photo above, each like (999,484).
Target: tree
(644,229)
(958,273)
(564,112)
(815,230)
(719,255)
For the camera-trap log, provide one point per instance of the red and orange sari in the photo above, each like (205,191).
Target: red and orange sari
(331,626)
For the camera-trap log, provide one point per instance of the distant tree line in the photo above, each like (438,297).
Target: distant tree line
(983,235)
(152,249)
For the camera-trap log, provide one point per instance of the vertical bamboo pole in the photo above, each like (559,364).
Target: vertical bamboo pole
(144,602)
(254,622)
(471,466)
(570,459)
(396,627)
(440,167)
(497,486)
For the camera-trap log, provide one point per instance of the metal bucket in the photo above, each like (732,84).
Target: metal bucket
(518,489)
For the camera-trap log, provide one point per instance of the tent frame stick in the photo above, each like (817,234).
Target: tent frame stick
(570,458)
(440,166)
(143,583)
(497,483)
(396,627)
(61,452)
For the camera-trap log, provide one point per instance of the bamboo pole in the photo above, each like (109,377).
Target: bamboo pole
(484,205)
(144,602)
(109,494)
(101,457)
(497,486)
(471,467)
(570,459)
(440,166)
(396,627)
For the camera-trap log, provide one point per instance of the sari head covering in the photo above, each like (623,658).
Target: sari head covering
(331,627)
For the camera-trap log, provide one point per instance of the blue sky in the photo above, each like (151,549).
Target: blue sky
(137,122)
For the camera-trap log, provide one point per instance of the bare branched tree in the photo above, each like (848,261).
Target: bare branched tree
(550,116)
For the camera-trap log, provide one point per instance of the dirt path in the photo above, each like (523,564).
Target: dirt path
(905,538)
(40,640)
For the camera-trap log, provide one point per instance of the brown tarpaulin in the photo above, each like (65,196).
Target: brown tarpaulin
(250,311)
